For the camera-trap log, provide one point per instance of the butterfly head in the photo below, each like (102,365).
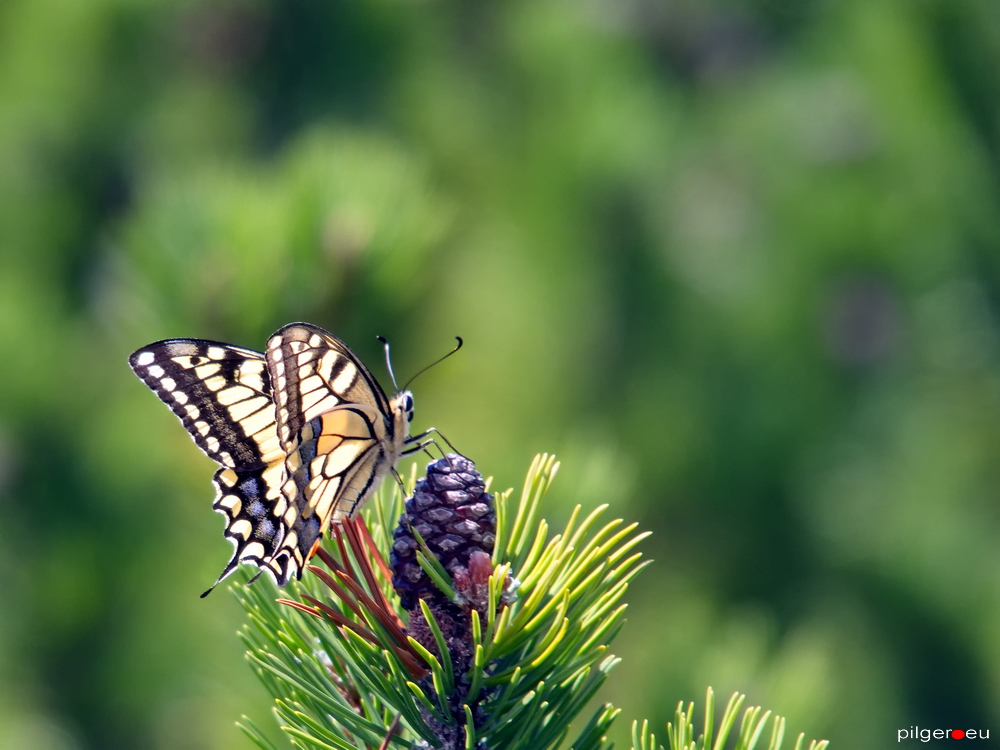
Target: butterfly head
(402,408)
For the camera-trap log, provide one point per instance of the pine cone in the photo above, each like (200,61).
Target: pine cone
(455,516)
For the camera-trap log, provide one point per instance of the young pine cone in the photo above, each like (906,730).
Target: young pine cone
(454,515)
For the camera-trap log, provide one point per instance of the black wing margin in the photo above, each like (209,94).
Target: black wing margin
(248,500)
(221,394)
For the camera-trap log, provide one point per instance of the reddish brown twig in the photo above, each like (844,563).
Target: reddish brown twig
(390,732)
(352,529)
(376,555)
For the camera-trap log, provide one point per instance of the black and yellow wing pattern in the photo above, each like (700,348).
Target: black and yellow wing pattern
(303,435)
(340,432)
(222,395)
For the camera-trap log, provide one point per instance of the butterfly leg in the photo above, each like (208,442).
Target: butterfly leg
(417,447)
(423,447)
(399,481)
(426,433)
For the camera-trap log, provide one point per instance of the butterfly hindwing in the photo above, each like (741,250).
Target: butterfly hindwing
(248,500)
(339,460)
(341,456)
(341,433)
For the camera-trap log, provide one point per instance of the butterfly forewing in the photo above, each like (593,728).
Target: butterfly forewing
(222,395)
(314,372)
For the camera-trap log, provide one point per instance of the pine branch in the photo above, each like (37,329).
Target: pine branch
(481,632)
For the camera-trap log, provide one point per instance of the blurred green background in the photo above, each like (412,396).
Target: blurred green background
(736,263)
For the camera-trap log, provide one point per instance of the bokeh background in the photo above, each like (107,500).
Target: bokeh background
(736,263)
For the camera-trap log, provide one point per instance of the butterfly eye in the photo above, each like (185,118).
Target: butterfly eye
(408,407)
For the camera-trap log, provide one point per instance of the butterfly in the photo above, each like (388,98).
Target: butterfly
(303,432)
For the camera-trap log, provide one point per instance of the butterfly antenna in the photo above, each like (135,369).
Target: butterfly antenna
(435,362)
(388,360)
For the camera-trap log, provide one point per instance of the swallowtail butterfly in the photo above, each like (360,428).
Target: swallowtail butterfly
(304,435)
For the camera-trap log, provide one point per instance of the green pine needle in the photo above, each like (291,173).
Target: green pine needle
(536,655)
(680,732)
